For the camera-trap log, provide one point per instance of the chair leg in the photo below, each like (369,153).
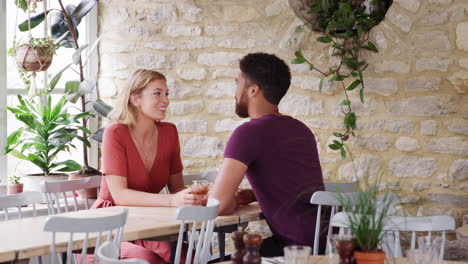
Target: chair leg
(221,245)
(173,250)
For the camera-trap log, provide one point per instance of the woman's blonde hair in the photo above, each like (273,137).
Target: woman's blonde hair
(124,111)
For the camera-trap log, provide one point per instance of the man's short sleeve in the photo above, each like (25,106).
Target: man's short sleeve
(243,145)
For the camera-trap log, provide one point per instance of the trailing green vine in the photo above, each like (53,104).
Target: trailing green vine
(346,24)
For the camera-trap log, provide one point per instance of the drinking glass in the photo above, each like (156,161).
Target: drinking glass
(297,254)
(339,248)
(431,247)
(201,187)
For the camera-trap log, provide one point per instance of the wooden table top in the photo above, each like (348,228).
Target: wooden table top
(26,237)
(324,260)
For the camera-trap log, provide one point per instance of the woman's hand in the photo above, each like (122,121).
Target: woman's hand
(185,197)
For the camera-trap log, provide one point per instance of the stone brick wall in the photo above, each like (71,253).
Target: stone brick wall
(413,124)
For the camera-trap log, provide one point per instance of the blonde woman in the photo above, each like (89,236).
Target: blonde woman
(141,155)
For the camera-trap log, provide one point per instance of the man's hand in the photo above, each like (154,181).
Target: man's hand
(245,196)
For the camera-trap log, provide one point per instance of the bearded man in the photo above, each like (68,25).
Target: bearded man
(276,152)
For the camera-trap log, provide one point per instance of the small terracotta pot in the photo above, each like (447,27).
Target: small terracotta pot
(32,60)
(369,257)
(90,193)
(15,188)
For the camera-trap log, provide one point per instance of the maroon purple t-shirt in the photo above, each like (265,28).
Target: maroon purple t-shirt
(283,170)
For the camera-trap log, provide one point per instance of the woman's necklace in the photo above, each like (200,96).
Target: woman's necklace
(140,146)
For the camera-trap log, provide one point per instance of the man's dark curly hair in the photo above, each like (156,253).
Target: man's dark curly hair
(269,72)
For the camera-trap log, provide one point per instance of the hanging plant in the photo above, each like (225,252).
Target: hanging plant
(35,55)
(346,25)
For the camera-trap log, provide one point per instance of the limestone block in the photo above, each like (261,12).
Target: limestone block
(219,58)
(179,90)
(462,36)
(316,107)
(359,108)
(433,64)
(226,108)
(295,104)
(407,144)
(439,105)
(431,41)
(275,8)
(158,14)
(458,125)
(399,125)
(429,128)
(449,199)
(185,107)
(401,20)
(365,166)
(410,166)
(384,87)
(421,85)
(114,15)
(161,45)
(188,126)
(463,62)
(411,5)
(193,163)
(183,30)
(191,13)
(392,66)
(107,87)
(203,147)
(195,43)
(149,61)
(421,186)
(457,13)
(239,13)
(372,142)
(410,199)
(449,145)
(221,90)
(433,17)
(460,81)
(191,73)
(313,83)
(318,123)
(440,2)
(456,250)
(220,30)
(459,170)
(117,48)
(237,43)
(226,72)
(228,124)
(376,124)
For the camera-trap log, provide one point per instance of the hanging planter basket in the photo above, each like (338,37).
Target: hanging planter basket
(33,59)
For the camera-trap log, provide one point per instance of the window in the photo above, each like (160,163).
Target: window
(11,84)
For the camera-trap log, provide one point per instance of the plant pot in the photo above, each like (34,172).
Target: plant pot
(32,182)
(369,257)
(15,188)
(90,193)
(33,60)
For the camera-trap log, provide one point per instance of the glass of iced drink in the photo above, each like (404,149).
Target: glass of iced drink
(201,187)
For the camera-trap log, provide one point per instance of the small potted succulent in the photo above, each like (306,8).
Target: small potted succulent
(14,185)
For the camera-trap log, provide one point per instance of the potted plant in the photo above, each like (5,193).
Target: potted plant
(14,185)
(48,130)
(366,219)
(34,55)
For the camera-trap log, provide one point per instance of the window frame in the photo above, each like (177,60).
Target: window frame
(91,71)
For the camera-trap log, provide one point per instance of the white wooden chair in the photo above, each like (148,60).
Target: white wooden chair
(108,253)
(332,199)
(57,190)
(391,241)
(109,227)
(19,200)
(196,214)
(344,187)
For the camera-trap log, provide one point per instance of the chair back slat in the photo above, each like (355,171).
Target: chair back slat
(343,187)
(63,190)
(72,225)
(16,201)
(108,253)
(195,214)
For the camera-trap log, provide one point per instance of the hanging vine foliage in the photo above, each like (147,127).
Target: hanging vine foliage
(346,25)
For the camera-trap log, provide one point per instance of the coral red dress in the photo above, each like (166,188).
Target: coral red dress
(120,157)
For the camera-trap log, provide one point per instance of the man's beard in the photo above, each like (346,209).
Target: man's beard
(242,108)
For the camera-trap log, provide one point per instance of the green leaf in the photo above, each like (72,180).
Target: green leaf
(350,121)
(84,129)
(320,85)
(82,9)
(71,87)
(56,78)
(84,140)
(350,63)
(298,61)
(372,46)
(334,147)
(313,10)
(361,95)
(299,54)
(35,21)
(324,39)
(14,136)
(69,165)
(337,143)
(345,102)
(102,108)
(18,154)
(353,85)
(343,154)
(337,134)
(22,4)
